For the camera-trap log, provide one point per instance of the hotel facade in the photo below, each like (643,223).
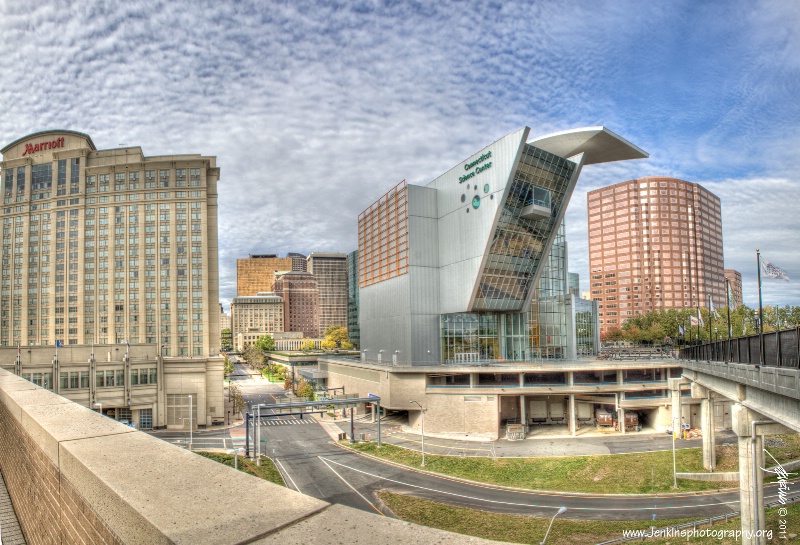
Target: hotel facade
(111,252)
(464,302)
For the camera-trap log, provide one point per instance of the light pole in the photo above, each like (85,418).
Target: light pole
(191,424)
(560,510)
(99,407)
(235,452)
(422,411)
(674,464)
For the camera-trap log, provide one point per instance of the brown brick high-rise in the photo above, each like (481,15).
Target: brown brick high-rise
(654,242)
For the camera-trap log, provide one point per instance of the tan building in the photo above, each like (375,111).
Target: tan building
(330,271)
(257,315)
(300,302)
(114,253)
(655,242)
(734,277)
(256,274)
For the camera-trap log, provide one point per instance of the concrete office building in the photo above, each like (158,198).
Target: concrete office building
(330,271)
(353,302)
(299,261)
(255,316)
(300,302)
(654,243)
(463,297)
(574,284)
(256,273)
(734,278)
(118,250)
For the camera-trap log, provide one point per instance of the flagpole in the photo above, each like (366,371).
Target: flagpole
(710,319)
(760,312)
(730,331)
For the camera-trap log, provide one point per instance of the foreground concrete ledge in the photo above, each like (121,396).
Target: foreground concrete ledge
(340,524)
(149,491)
(717,476)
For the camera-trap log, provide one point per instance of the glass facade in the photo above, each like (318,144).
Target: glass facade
(518,243)
(585,333)
(353,330)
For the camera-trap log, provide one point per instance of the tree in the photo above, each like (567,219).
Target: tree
(328,344)
(228,365)
(235,395)
(226,339)
(265,343)
(254,356)
(347,346)
(308,345)
(288,383)
(336,334)
(305,389)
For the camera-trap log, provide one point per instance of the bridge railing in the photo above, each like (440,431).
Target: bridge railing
(776,349)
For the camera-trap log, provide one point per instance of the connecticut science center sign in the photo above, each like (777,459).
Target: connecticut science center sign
(480,164)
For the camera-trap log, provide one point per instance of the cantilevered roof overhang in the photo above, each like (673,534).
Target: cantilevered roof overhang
(598,144)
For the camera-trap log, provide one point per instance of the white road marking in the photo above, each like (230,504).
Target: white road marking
(283,470)
(349,485)
(527,504)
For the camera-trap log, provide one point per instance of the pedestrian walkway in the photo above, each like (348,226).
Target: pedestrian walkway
(10,532)
(533,446)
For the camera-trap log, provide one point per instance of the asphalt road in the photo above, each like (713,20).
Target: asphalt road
(312,464)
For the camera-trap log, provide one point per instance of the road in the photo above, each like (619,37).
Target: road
(312,464)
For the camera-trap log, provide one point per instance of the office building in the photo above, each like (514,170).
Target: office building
(256,273)
(330,271)
(116,250)
(298,261)
(300,302)
(734,278)
(255,316)
(353,330)
(574,284)
(654,243)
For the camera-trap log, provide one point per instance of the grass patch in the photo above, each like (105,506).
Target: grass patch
(522,529)
(266,470)
(638,473)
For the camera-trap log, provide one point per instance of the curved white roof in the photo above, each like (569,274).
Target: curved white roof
(599,145)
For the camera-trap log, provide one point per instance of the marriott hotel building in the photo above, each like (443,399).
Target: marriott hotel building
(113,250)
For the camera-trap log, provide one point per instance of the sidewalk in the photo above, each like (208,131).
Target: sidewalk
(532,446)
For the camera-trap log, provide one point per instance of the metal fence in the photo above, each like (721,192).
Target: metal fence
(777,349)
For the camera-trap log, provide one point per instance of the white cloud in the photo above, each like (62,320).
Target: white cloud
(315,109)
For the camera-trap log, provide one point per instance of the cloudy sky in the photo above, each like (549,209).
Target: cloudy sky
(315,109)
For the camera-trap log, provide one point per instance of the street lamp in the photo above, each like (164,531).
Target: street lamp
(423,429)
(560,510)
(99,407)
(235,452)
(674,463)
(191,424)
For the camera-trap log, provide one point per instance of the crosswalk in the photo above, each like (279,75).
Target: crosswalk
(287,421)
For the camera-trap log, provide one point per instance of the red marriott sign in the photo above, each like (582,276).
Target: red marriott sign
(41,146)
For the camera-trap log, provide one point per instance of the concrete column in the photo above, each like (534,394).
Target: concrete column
(707,429)
(677,415)
(523,412)
(620,379)
(572,420)
(750,505)
(621,419)
(570,378)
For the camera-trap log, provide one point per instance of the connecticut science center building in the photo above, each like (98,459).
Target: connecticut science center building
(457,286)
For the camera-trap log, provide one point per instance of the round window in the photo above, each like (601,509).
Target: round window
(463,198)
(476,201)
(486,188)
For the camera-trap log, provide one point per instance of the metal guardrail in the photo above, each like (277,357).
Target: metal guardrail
(694,524)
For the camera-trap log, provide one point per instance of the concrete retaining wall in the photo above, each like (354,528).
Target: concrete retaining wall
(75,476)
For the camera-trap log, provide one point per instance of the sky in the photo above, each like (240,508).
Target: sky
(315,109)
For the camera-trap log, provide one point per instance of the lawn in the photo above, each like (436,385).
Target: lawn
(637,473)
(266,470)
(522,529)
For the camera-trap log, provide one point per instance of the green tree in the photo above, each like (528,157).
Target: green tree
(254,356)
(308,345)
(305,389)
(336,334)
(228,365)
(235,396)
(265,343)
(226,340)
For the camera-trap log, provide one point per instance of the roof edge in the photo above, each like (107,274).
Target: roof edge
(50,131)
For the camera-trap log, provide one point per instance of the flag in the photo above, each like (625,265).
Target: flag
(744,328)
(711,310)
(771,271)
(681,331)
(699,318)
(59,344)
(693,320)
(731,305)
